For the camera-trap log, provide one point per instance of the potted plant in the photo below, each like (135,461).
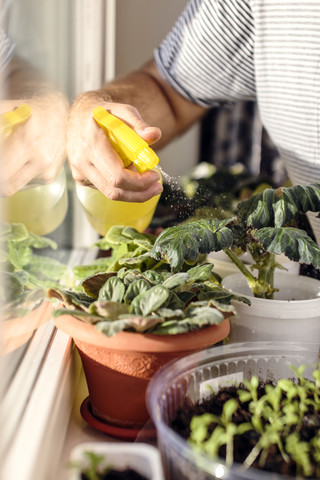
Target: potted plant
(263,227)
(25,277)
(129,315)
(126,461)
(242,411)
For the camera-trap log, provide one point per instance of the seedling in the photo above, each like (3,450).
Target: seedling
(284,418)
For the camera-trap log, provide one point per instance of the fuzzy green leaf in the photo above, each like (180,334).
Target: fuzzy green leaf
(121,234)
(97,266)
(14,232)
(139,324)
(46,268)
(113,290)
(110,310)
(149,301)
(136,288)
(176,280)
(200,273)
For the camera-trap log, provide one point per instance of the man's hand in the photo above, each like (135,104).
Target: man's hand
(35,150)
(94,162)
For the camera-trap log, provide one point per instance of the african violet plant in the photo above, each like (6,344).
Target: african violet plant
(25,276)
(264,226)
(131,290)
(163,285)
(273,427)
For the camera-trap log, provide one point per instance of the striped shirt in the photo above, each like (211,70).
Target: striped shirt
(6,50)
(6,45)
(222,51)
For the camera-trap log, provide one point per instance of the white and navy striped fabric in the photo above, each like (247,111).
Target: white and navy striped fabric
(6,45)
(264,50)
(6,50)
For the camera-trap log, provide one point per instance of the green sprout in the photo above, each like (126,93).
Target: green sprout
(277,414)
(223,433)
(94,470)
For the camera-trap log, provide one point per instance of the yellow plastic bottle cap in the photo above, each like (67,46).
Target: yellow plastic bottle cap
(10,120)
(127,143)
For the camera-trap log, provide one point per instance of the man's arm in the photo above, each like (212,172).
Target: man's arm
(149,105)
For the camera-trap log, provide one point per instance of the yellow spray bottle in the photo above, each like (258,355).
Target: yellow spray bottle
(102,212)
(41,207)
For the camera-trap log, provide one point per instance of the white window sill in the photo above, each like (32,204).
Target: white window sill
(39,401)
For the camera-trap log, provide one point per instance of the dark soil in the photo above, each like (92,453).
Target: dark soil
(128,474)
(244,444)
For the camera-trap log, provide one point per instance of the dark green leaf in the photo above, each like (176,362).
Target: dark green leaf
(186,297)
(257,211)
(293,242)
(173,302)
(275,208)
(187,241)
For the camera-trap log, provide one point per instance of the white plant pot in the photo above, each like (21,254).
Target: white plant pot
(143,458)
(223,266)
(293,315)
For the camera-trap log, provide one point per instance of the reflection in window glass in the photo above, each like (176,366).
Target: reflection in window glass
(35,189)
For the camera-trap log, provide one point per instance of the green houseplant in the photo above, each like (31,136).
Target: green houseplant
(129,313)
(265,226)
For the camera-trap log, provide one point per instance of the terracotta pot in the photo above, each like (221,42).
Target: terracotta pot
(118,368)
(15,332)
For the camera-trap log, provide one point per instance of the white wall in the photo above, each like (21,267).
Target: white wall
(140,27)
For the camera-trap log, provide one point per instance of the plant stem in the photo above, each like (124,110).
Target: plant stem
(243,269)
